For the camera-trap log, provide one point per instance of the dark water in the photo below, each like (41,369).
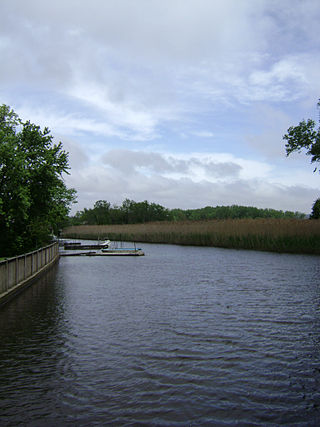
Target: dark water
(183,336)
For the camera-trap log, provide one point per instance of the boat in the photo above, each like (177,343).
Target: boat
(79,245)
(115,250)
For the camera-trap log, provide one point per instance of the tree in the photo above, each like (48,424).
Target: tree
(304,136)
(315,214)
(34,200)
(101,211)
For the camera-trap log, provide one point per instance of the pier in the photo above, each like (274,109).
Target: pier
(111,252)
(79,249)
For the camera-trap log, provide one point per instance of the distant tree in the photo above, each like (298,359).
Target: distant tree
(131,212)
(176,215)
(233,212)
(140,212)
(315,214)
(101,212)
(34,200)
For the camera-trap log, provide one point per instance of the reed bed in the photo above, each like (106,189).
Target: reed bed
(277,235)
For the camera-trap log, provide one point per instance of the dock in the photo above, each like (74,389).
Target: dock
(112,252)
(77,246)
(98,249)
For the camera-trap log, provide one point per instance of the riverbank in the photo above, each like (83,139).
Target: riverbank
(275,235)
(19,272)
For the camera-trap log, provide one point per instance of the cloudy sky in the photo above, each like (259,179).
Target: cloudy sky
(179,102)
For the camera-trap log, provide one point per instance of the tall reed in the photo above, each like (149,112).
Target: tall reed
(279,235)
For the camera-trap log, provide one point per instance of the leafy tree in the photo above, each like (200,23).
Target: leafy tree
(140,212)
(305,136)
(34,200)
(315,214)
(177,215)
(131,212)
(101,211)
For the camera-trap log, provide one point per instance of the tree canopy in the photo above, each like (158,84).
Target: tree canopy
(131,212)
(315,214)
(305,136)
(34,200)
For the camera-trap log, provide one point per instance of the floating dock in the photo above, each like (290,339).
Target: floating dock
(104,249)
(77,246)
(111,252)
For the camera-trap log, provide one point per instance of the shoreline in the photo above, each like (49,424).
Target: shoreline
(272,235)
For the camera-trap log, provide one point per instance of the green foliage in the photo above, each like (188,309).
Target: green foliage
(305,136)
(131,212)
(231,212)
(315,214)
(34,200)
(140,212)
(280,235)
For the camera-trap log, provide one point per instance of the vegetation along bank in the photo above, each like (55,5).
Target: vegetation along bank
(276,235)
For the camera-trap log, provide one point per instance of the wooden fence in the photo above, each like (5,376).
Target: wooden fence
(17,272)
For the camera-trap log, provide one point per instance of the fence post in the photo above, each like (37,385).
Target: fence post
(7,284)
(15,271)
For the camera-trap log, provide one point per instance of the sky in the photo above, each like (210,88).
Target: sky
(183,103)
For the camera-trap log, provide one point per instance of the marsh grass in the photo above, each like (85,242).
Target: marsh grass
(278,235)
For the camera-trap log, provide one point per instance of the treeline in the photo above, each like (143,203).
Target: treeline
(232,212)
(131,212)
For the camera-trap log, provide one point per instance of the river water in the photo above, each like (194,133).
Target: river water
(183,336)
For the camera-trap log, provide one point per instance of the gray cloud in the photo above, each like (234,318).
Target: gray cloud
(129,161)
(185,193)
(78,159)
(147,176)
(271,124)
(134,67)
(134,73)
(50,42)
(225,169)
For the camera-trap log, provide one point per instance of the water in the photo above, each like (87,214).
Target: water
(182,336)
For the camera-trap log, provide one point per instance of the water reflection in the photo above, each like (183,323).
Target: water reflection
(181,336)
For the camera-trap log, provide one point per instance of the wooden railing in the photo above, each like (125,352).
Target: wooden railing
(15,272)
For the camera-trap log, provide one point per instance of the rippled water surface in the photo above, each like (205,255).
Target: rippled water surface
(182,336)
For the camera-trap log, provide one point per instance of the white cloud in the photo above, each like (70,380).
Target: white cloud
(191,97)
(186,193)
(125,118)
(188,181)
(204,134)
